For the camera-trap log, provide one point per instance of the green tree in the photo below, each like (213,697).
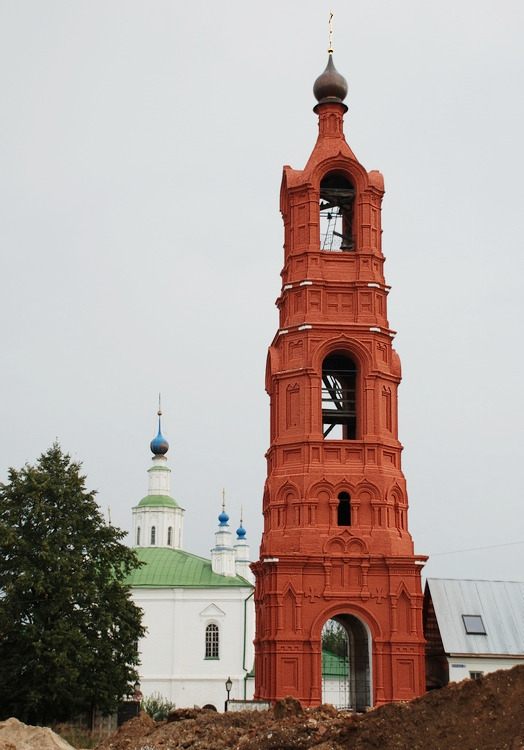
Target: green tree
(335,638)
(68,628)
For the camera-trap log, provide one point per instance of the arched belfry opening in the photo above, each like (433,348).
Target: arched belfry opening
(339,383)
(338,542)
(337,207)
(346,663)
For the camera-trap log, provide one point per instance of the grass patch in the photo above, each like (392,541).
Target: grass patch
(80,737)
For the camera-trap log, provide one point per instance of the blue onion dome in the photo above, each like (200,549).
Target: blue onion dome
(223,518)
(330,86)
(241,532)
(159,445)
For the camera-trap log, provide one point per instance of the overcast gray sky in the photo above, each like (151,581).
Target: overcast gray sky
(141,244)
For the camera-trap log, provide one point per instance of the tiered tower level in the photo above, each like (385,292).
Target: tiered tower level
(336,543)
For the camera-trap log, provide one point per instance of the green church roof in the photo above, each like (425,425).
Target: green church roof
(169,568)
(333,665)
(157,501)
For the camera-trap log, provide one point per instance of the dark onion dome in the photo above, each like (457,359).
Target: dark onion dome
(241,532)
(330,86)
(159,445)
(223,518)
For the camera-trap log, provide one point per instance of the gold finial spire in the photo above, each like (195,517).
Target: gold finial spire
(223,498)
(241,513)
(159,405)
(330,48)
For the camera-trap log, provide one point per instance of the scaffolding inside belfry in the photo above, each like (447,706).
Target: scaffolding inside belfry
(337,198)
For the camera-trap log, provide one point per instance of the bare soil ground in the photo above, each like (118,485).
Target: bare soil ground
(17,736)
(483,714)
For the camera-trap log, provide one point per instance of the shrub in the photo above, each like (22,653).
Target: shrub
(156,706)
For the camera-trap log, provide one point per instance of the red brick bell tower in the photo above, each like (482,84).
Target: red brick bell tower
(335,543)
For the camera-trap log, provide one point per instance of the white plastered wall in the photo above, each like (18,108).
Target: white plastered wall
(173,650)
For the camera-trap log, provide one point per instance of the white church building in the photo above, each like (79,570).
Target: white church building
(199,613)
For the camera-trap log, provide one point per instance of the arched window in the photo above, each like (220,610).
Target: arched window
(337,203)
(339,380)
(153,535)
(138,536)
(344,509)
(170,536)
(212,641)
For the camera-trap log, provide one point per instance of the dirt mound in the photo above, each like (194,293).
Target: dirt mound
(17,736)
(484,714)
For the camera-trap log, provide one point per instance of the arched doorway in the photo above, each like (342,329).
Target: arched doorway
(346,660)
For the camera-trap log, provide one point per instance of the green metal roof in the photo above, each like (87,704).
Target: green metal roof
(169,568)
(333,665)
(158,500)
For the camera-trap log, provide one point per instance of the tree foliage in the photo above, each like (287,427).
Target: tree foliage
(335,638)
(68,628)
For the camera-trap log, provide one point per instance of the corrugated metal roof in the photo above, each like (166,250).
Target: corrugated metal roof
(169,568)
(499,603)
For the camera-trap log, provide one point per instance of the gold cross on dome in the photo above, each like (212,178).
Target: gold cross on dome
(330,48)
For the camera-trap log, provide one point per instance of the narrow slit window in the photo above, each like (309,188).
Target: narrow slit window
(138,537)
(153,536)
(212,641)
(474,625)
(170,536)
(344,509)
(339,378)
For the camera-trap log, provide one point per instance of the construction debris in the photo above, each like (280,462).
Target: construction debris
(482,714)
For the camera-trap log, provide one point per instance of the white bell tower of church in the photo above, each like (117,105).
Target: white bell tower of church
(158,520)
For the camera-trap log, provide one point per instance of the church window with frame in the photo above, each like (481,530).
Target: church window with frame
(212,641)
(339,415)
